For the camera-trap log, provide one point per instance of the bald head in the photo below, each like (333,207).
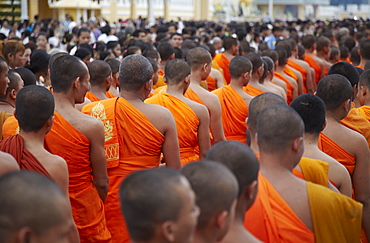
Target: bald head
(283,57)
(176,71)
(229,42)
(334,90)
(292,42)
(312,111)
(365,79)
(365,49)
(99,71)
(322,42)
(269,63)
(239,158)
(276,136)
(34,203)
(258,104)
(271,54)
(308,41)
(165,50)
(215,188)
(134,72)
(197,57)
(239,66)
(347,70)
(15,83)
(255,59)
(286,46)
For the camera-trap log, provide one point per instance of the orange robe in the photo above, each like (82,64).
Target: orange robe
(303,71)
(190,94)
(249,89)
(359,66)
(160,81)
(138,147)
(87,207)
(109,95)
(10,127)
(315,66)
(357,122)
(211,83)
(216,66)
(313,170)
(3,117)
(290,88)
(234,113)
(91,97)
(223,62)
(365,111)
(15,146)
(187,124)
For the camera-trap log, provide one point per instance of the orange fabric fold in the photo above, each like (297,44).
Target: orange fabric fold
(140,145)
(91,97)
(160,81)
(362,67)
(187,124)
(290,88)
(234,113)
(87,207)
(109,95)
(315,66)
(3,117)
(190,94)
(223,62)
(10,127)
(297,67)
(365,111)
(249,89)
(211,83)
(271,219)
(288,71)
(357,122)
(14,145)
(313,170)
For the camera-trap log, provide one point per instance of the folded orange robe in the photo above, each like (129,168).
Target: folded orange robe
(357,122)
(302,71)
(10,127)
(234,113)
(211,83)
(140,147)
(359,66)
(365,111)
(290,88)
(160,81)
(190,94)
(14,145)
(313,170)
(91,97)
(3,117)
(249,89)
(288,71)
(87,207)
(216,66)
(109,94)
(271,220)
(223,62)
(315,66)
(187,124)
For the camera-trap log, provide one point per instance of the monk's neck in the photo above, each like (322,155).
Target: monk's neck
(162,64)
(195,78)
(177,91)
(236,84)
(99,92)
(254,80)
(133,96)
(229,55)
(33,140)
(310,142)
(254,145)
(280,69)
(64,101)
(309,51)
(320,55)
(204,236)
(363,62)
(333,117)
(272,165)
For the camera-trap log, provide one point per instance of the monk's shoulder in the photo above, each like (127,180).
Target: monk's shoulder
(197,108)
(211,100)
(7,163)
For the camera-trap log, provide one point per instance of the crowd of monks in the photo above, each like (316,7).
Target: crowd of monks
(261,147)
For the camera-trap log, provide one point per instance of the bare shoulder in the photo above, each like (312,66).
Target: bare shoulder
(199,109)
(211,100)
(7,163)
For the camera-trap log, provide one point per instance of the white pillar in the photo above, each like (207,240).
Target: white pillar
(151,13)
(85,14)
(78,16)
(271,4)
(227,12)
(92,13)
(24,10)
(62,14)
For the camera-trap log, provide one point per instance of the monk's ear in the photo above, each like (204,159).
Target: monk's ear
(347,105)
(13,94)
(324,125)
(251,190)
(172,56)
(149,85)
(50,121)
(77,82)
(24,235)
(164,79)
(297,144)
(168,231)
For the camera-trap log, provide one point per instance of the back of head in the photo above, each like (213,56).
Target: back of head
(55,56)
(344,52)
(134,71)
(365,49)
(34,107)
(176,70)
(114,64)
(312,111)
(301,51)
(197,57)
(188,44)
(14,83)
(229,42)
(99,71)
(276,136)
(365,79)
(355,57)
(258,104)
(367,66)
(271,54)
(30,201)
(39,61)
(334,89)
(283,58)
(215,188)
(151,53)
(239,66)
(143,210)
(255,59)
(82,53)
(292,42)
(239,158)
(27,76)
(322,42)
(165,50)
(62,75)
(347,70)
(308,41)
(269,63)
(286,46)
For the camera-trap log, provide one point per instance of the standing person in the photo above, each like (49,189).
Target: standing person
(79,139)
(309,44)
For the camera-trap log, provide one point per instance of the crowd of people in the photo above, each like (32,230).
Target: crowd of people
(184,131)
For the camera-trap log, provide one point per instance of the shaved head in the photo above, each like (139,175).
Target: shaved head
(239,158)
(334,89)
(34,202)
(308,41)
(286,46)
(347,70)
(322,42)
(15,83)
(365,49)
(277,127)
(365,79)
(215,188)
(258,104)
(255,59)
(165,50)
(271,54)
(283,57)
(99,71)
(197,57)
(239,66)
(176,71)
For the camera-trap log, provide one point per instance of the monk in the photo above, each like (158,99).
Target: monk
(231,47)
(33,208)
(100,80)
(308,73)
(323,52)
(242,162)
(192,118)
(7,101)
(268,75)
(309,43)
(8,163)
(200,61)
(79,139)
(354,120)
(275,59)
(312,111)
(254,87)
(166,52)
(216,77)
(364,52)
(363,95)
(287,208)
(114,66)
(136,134)
(336,92)
(4,83)
(234,101)
(160,216)
(216,191)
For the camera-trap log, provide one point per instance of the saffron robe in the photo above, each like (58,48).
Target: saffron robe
(290,88)
(211,83)
(160,81)
(303,71)
(10,127)
(315,66)
(190,94)
(91,97)
(109,95)
(187,124)
(3,117)
(234,113)
(87,207)
(313,170)
(249,89)
(365,111)
(223,62)
(138,147)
